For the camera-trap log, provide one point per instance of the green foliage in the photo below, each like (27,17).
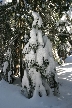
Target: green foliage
(16,21)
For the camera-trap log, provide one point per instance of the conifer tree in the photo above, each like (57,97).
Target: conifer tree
(39,72)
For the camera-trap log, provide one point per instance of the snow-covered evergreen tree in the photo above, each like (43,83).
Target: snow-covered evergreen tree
(40,72)
(64,26)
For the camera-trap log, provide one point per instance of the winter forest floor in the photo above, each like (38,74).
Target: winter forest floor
(10,96)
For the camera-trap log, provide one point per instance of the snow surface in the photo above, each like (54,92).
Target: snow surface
(10,96)
(39,37)
(6,1)
(33,38)
(25,80)
(68,59)
(9,76)
(39,57)
(5,66)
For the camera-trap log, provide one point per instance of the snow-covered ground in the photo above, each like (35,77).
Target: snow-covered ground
(68,59)
(10,96)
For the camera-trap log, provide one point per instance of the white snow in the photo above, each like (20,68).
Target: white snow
(31,56)
(6,1)
(64,18)
(39,87)
(39,37)
(9,77)
(70,13)
(10,96)
(40,21)
(25,81)
(68,59)
(5,66)
(37,19)
(26,48)
(51,64)
(45,53)
(32,74)
(33,38)
(26,57)
(39,56)
(69,29)
(68,46)
(49,47)
(35,15)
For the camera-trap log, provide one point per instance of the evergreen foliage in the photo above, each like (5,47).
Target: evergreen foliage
(16,24)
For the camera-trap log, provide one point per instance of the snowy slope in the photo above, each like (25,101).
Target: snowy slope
(68,59)
(65,79)
(10,96)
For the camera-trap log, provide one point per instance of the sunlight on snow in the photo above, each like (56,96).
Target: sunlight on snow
(65,71)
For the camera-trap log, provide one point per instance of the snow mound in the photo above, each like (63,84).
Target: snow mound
(68,59)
